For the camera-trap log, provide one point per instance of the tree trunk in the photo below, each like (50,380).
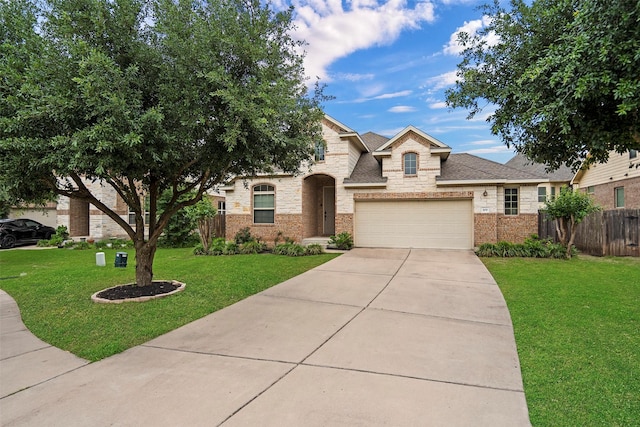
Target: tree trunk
(145,252)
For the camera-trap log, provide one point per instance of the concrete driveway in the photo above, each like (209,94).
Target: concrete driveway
(374,337)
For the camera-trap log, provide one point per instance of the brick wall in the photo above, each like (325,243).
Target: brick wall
(291,226)
(485,229)
(604,193)
(344,222)
(516,228)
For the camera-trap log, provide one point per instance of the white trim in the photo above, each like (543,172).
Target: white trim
(490,181)
(365,185)
(425,135)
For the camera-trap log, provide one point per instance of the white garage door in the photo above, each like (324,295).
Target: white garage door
(446,224)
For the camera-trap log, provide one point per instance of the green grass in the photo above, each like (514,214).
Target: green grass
(54,295)
(577,327)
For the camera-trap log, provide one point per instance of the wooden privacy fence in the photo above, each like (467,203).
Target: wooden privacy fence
(219,226)
(606,233)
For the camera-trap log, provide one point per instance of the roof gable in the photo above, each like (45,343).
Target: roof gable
(418,135)
(336,125)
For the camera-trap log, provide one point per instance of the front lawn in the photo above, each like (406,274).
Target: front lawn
(577,327)
(54,294)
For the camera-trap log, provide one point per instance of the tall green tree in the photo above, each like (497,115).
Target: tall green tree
(147,96)
(563,75)
(568,210)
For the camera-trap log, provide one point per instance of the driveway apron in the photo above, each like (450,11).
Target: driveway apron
(402,337)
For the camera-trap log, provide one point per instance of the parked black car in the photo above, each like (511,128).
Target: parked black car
(23,231)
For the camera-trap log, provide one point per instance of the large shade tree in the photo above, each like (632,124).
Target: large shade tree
(148,96)
(563,75)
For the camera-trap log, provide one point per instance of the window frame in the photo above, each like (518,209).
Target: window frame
(319,152)
(511,207)
(257,190)
(618,202)
(543,195)
(633,154)
(591,189)
(222,207)
(415,163)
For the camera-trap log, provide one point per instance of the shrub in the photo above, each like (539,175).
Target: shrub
(230,248)
(199,250)
(313,249)
(342,241)
(532,247)
(253,247)
(243,236)
(289,249)
(218,246)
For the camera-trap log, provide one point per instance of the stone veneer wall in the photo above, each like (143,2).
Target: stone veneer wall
(516,228)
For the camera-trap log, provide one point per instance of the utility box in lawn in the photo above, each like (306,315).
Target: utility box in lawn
(121,259)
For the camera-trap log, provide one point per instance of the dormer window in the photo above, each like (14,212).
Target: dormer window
(410,164)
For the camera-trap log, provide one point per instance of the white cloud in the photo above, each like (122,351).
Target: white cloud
(471,28)
(354,77)
(392,95)
(401,109)
(441,81)
(333,31)
(490,150)
(438,105)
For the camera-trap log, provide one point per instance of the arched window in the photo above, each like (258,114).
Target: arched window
(410,164)
(264,204)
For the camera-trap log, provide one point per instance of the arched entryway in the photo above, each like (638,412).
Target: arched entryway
(319,205)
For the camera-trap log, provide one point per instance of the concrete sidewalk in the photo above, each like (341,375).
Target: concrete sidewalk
(373,337)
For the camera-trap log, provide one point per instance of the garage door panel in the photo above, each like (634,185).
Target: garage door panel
(414,224)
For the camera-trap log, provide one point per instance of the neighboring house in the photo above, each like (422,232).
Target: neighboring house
(407,191)
(557,179)
(614,184)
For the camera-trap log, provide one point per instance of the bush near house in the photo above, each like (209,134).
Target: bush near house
(342,241)
(533,247)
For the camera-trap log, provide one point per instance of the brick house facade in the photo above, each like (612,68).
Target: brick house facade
(614,184)
(412,170)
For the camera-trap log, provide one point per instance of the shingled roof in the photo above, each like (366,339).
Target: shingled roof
(368,170)
(521,162)
(467,167)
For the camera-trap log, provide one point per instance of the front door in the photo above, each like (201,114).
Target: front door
(329,208)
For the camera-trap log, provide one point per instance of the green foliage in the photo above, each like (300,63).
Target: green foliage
(201,210)
(127,94)
(342,241)
(179,231)
(243,236)
(253,247)
(62,231)
(218,246)
(563,75)
(570,205)
(568,210)
(532,247)
(313,249)
(289,249)
(231,248)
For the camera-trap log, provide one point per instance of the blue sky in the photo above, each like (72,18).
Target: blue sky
(388,63)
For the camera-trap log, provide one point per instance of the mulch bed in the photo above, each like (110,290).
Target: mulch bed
(134,291)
